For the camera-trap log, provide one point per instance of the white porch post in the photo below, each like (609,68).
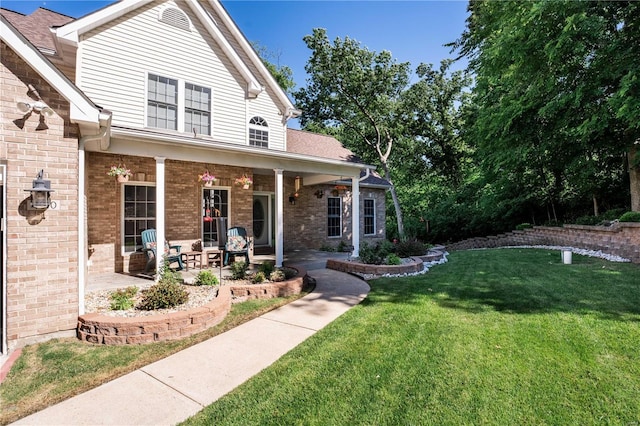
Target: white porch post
(355,215)
(279,219)
(82,251)
(160,234)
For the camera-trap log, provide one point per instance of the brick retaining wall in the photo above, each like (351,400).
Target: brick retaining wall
(362,268)
(620,239)
(108,330)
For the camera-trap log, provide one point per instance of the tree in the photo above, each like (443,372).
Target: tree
(282,73)
(557,89)
(359,92)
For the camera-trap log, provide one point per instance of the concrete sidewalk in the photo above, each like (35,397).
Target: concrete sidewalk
(177,387)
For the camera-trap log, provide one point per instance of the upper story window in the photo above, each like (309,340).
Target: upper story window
(177,105)
(197,109)
(258,132)
(162,102)
(369,217)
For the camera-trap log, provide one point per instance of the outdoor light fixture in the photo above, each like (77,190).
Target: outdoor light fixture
(40,192)
(39,108)
(319,193)
(297,184)
(292,198)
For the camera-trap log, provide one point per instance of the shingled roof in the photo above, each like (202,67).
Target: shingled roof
(35,27)
(323,146)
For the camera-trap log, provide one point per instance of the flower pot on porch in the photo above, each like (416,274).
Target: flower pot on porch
(245,186)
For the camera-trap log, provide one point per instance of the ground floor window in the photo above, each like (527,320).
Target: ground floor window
(139,214)
(215,205)
(369,217)
(334,216)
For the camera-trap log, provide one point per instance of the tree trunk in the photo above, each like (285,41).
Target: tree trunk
(634,177)
(596,212)
(396,202)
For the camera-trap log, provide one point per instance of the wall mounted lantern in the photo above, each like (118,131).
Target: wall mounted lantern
(319,193)
(292,198)
(39,108)
(297,184)
(40,192)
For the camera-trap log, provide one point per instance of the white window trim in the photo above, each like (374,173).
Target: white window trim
(340,200)
(122,201)
(375,219)
(181,104)
(258,127)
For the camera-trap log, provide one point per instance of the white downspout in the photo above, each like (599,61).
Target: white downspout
(82,235)
(160,214)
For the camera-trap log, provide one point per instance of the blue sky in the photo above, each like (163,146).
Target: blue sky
(413,31)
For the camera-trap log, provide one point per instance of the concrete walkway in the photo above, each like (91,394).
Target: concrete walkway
(177,387)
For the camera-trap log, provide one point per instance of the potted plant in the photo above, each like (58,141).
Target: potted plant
(207,178)
(120,172)
(244,181)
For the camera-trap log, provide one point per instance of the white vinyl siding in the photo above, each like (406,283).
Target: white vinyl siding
(116,58)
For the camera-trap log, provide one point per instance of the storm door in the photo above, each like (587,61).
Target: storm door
(215,204)
(262,220)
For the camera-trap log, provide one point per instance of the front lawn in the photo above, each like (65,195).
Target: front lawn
(507,336)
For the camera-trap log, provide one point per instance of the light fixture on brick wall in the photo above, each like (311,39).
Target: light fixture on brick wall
(40,192)
(39,108)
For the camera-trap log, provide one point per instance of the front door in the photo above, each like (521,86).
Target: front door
(262,224)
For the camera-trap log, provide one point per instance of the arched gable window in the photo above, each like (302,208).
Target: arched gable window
(175,17)
(258,132)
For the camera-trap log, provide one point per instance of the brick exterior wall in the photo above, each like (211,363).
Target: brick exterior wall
(41,258)
(621,239)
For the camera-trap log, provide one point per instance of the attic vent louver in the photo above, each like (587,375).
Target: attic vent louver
(175,17)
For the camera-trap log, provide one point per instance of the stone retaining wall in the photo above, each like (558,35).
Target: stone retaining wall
(108,330)
(362,268)
(620,239)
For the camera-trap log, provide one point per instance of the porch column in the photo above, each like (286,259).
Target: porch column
(160,234)
(82,251)
(279,220)
(355,215)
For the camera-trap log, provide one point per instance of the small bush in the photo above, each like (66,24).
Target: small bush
(587,220)
(266,268)
(393,259)
(289,273)
(238,270)
(277,276)
(206,278)
(523,226)
(375,254)
(630,217)
(258,278)
(165,294)
(122,299)
(612,214)
(410,247)
(325,247)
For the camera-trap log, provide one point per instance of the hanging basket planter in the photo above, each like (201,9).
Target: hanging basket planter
(244,181)
(120,172)
(122,178)
(207,179)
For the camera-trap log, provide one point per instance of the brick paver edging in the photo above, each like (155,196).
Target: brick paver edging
(351,267)
(108,330)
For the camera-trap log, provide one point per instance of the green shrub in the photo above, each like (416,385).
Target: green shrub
(393,259)
(289,273)
(612,214)
(238,270)
(258,278)
(523,226)
(122,299)
(206,278)
(375,254)
(630,217)
(266,268)
(587,220)
(277,276)
(326,247)
(165,294)
(410,247)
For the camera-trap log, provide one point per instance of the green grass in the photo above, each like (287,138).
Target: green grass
(49,372)
(492,337)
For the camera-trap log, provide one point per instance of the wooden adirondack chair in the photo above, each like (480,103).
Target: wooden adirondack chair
(149,247)
(237,244)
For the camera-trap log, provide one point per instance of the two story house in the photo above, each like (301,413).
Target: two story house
(169,90)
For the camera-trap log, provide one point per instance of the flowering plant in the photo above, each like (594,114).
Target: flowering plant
(206,177)
(119,171)
(244,180)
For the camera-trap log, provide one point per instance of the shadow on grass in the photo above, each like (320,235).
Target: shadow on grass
(521,281)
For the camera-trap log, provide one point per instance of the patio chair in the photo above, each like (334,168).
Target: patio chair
(237,244)
(149,243)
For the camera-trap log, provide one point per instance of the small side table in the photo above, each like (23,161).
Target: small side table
(213,255)
(194,257)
